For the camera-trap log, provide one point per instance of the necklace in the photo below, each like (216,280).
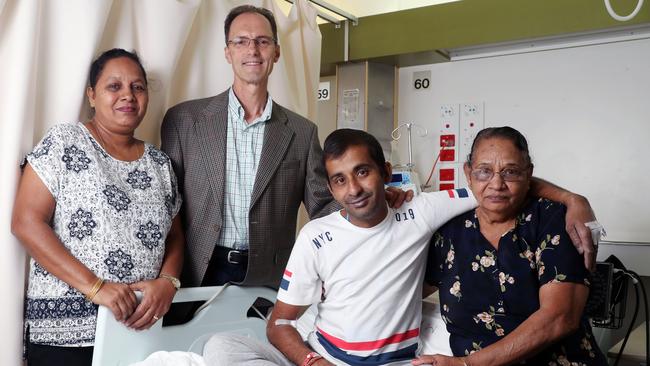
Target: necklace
(112,149)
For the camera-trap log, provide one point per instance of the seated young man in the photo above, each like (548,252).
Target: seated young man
(362,265)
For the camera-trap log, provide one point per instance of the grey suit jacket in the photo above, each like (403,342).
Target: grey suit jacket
(290,172)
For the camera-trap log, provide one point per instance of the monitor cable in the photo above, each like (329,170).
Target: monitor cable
(433,168)
(636,280)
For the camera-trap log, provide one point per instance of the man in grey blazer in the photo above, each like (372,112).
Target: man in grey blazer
(244,164)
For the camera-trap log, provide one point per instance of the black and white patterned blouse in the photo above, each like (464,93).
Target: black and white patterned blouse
(111,215)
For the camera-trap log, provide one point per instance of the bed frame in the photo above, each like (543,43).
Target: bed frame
(116,344)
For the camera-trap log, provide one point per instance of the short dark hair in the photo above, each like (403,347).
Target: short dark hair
(235,12)
(506,133)
(339,141)
(97,66)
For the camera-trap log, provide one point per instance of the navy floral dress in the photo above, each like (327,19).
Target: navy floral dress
(112,215)
(486,293)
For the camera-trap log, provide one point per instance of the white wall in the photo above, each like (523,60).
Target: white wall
(584,110)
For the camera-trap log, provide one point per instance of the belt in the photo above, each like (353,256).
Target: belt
(232,256)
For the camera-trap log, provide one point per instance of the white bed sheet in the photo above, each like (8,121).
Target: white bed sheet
(173,358)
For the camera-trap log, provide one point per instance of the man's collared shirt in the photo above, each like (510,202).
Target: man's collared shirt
(243,150)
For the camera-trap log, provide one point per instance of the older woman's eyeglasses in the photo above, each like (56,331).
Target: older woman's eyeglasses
(243,42)
(507,174)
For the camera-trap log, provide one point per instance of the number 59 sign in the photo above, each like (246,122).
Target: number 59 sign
(324,91)
(421,80)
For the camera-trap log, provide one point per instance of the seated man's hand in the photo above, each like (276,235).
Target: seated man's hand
(396,197)
(323,362)
(438,360)
(578,213)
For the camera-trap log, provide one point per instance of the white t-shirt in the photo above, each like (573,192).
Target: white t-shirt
(368,281)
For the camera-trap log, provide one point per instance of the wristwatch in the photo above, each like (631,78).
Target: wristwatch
(175,281)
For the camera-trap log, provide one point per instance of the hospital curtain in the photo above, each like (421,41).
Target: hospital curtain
(46,48)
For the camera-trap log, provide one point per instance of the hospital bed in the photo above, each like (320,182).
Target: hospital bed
(227,312)
(118,345)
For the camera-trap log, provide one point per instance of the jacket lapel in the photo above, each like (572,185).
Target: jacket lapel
(211,133)
(277,137)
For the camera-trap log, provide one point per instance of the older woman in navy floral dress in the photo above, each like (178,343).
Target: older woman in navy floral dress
(512,286)
(97,211)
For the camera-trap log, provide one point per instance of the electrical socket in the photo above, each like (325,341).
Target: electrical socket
(472,120)
(447,111)
(470,109)
(448,123)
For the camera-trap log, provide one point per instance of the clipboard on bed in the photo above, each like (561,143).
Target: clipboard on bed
(117,345)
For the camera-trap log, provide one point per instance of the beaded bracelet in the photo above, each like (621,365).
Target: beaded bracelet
(95,289)
(311,358)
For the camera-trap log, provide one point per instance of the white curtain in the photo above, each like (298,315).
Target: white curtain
(46,48)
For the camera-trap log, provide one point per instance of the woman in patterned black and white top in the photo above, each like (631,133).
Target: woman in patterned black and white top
(97,211)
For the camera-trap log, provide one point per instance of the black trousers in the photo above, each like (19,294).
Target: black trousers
(42,355)
(220,271)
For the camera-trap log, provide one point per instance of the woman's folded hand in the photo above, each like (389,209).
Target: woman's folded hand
(118,297)
(157,297)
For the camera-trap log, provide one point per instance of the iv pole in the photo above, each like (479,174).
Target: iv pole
(396,135)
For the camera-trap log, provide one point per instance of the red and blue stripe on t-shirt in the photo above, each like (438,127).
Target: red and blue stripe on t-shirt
(286,278)
(458,193)
(352,352)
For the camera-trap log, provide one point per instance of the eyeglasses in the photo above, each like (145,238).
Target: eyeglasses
(243,42)
(507,174)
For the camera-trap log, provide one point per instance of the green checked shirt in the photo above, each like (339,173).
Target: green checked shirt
(243,150)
